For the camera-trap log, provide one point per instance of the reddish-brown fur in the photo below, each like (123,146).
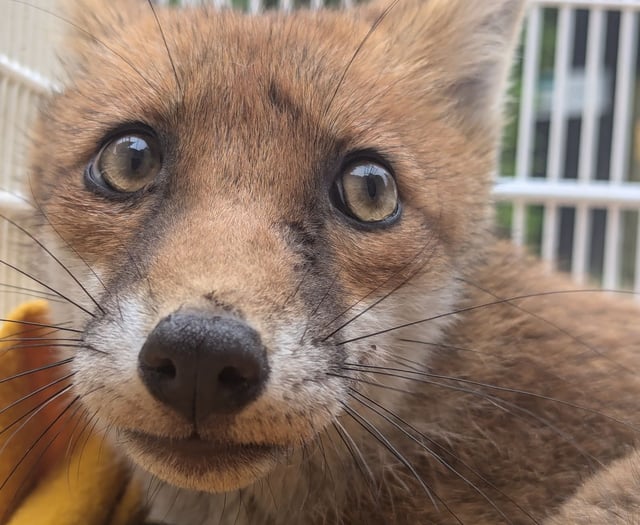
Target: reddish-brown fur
(526,398)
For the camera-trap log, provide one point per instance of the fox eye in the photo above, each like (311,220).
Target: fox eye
(127,163)
(367,192)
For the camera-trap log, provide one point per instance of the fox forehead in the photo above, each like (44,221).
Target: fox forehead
(243,91)
(256,116)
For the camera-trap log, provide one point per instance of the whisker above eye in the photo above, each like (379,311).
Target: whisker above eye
(357,51)
(166,46)
(92,37)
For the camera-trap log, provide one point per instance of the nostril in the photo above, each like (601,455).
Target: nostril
(200,365)
(231,377)
(166,368)
(162,366)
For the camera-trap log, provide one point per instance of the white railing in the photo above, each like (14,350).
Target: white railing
(601,192)
(577,206)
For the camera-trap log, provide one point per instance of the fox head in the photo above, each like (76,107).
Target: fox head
(256,203)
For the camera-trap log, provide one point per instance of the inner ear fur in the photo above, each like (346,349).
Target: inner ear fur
(462,48)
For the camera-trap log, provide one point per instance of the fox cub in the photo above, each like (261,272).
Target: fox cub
(298,313)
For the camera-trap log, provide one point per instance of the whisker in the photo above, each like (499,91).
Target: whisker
(291,296)
(34,295)
(500,403)
(497,388)
(71,448)
(29,415)
(29,346)
(29,331)
(380,286)
(553,325)
(68,455)
(382,411)
(41,325)
(54,257)
(25,289)
(378,436)
(30,474)
(361,45)
(166,45)
(36,392)
(33,445)
(92,37)
(477,307)
(355,452)
(403,283)
(444,346)
(48,339)
(36,370)
(55,230)
(41,283)
(43,452)
(317,308)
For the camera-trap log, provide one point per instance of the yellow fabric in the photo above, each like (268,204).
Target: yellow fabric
(87,490)
(46,481)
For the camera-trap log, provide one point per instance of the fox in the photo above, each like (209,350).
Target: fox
(292,304)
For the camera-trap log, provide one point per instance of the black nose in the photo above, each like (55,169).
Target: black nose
(201,365)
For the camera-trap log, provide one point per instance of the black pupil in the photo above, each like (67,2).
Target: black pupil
(372,185)
(135,153)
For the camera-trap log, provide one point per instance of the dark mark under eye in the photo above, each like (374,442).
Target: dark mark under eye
(302,239)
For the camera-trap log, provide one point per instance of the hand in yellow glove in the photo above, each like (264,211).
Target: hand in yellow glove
(52,470)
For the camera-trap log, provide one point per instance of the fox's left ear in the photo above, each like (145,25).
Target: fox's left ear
(462,47)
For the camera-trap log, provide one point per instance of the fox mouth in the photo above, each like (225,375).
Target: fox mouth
(185,461)
(197,449)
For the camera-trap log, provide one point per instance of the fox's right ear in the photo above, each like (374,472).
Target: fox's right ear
(461,47)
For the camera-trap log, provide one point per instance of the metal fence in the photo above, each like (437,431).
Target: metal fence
(574,171)
(570,172)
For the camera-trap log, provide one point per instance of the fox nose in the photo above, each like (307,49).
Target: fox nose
(201,365)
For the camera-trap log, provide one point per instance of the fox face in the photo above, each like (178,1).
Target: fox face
(252,198)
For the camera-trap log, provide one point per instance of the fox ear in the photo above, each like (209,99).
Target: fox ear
(462,47)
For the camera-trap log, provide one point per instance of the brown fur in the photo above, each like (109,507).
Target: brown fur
(527,397)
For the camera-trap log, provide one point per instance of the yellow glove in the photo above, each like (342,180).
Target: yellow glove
(45,481)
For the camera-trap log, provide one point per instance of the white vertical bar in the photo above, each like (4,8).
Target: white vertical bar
(623,111)
(222,3)
(550,234)
(519,223)
(530,68)
(255,6)
(557,132)
(581,230)
(612,248)
(588,140)
(317,4)
(346,4)
(636,273)
(286,5)
(590,116)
